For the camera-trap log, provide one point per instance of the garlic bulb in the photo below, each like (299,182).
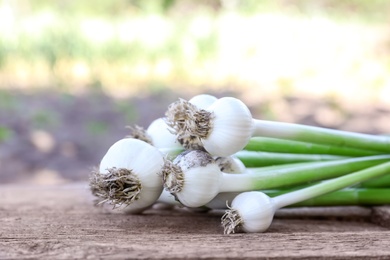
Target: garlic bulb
(230,164)
(230,129)
(222,129)
(129,175)
(251,211)
(203,101)
(182,113)
(193,178)
(160,135)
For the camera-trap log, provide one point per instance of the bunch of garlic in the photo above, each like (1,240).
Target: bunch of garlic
(192,153)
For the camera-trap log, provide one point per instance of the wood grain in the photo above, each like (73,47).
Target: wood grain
(60,222)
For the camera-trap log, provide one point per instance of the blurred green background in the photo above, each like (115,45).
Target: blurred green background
(73,73)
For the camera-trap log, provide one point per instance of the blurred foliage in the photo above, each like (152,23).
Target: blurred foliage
(127,109)
(369,10)
(97,127)
(5,133)
(43,119)
(7,101)
(122,43)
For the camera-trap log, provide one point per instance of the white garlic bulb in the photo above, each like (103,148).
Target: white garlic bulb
(193,178)
(181,113)
(203,101)
(129,175)
(231,127)
(161,137)
(252,211)
(230,164)
(222,129)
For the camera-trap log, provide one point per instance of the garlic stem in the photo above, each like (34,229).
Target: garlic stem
(253,211)
(258,158)
(259,179)
(331,185)
(321,135)
(195,179)
(269,144)
(380,182)
(343,197)
(172,152)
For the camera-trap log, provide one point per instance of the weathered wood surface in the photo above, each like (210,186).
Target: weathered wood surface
(59,222)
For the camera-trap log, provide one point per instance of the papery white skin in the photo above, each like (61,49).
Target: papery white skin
(167,199)
(221,200)
(256,210)
(201,184)
(230,164)
(203,101)
(143,160)
(202,179)
(238,167)
(161,136)
(231,128)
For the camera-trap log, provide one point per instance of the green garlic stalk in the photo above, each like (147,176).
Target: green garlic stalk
(253,211)
(195,179)
(268,144)
(258,159)
(380,182)
(344,197)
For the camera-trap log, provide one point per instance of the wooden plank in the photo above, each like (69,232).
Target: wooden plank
(60,222)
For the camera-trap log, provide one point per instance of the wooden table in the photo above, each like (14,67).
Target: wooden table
(60,222)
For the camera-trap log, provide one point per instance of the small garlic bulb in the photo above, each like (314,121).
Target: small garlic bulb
(129,175)
(193,178)
(230,164)
(231,127)
(203,101)
(251,211)
(161,137)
